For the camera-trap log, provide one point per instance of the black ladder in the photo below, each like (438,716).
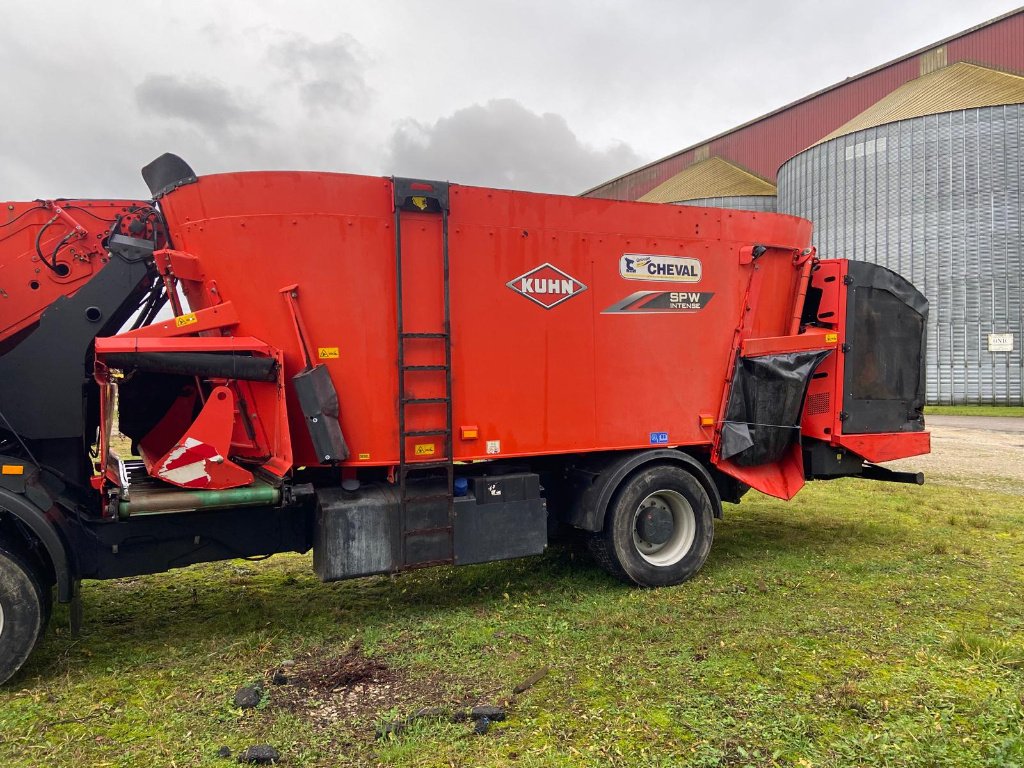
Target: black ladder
(425,539)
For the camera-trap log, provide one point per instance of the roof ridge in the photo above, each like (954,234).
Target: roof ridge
(957,86)
(709,178)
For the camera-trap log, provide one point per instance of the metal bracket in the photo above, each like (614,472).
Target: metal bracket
(420,195)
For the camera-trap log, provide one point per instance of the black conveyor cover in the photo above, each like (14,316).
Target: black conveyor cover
(763,416)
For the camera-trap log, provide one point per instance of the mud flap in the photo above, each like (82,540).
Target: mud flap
(759,442)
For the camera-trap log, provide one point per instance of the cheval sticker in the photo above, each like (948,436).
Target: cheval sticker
(546,285)
(653,267)
(648,302)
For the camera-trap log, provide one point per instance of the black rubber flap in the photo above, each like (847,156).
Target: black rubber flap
(167,172)
(763,416)
(319,402)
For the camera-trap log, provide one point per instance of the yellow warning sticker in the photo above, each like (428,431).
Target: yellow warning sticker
(425,449)
(420,202)
(327,353)
(831,338)
(184,320)
(13,469)
(364,457)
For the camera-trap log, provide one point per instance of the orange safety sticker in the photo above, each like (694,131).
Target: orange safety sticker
(424,449)
(364,457)
(831,338)
(327,353)
(184,320)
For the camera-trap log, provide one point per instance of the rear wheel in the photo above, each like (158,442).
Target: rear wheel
(24,612)
(658,529)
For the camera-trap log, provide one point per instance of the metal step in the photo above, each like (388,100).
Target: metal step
(427,531)
(425,499)
(417,465)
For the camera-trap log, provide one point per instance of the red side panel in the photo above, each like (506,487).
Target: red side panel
(887,446)
(566,336)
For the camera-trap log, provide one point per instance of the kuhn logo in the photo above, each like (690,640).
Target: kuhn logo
(650,266)
(546,285)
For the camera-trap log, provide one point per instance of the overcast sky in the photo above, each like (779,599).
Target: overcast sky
(548,96)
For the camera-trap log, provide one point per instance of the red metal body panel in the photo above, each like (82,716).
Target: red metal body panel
(71,229)
(763,145)
(886,446)
(533,380)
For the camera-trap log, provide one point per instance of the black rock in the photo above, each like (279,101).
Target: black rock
(459,716)
(488,711)
(248,696)
(224,752)
(260,754)
(393,728)
(482,726)
(279,678)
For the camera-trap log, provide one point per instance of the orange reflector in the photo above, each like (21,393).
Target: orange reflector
(469,433)
(12,469)
(707,421)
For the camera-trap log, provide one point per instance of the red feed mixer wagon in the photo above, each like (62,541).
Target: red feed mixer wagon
(397,373)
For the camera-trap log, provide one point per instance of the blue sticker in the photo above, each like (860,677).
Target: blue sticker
(659,438)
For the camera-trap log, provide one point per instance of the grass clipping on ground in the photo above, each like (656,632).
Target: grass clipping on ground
(861,624)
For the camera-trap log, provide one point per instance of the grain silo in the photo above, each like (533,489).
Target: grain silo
(715,183)
(928,182)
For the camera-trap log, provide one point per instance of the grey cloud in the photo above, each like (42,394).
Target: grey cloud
(328,75)
(206,104)
(504,144)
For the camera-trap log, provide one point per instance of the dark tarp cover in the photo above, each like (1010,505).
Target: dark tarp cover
(884,387)
(763,416)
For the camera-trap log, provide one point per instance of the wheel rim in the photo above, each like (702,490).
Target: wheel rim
(684,528)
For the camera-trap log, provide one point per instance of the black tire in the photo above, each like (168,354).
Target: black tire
(24,612)
(663,492)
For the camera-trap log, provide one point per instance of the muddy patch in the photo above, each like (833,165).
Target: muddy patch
(349,689)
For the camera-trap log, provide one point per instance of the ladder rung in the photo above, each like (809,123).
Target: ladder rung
(424,367)
(428,335)
(412,466)
(427,531)
(426,432)
(426,498)
(425,400)
(429,564)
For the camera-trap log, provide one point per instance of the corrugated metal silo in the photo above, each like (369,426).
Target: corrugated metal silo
(736,202)
(930,183)
(715,183)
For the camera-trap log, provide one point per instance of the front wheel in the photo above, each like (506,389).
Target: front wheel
(24,611)
(658,529)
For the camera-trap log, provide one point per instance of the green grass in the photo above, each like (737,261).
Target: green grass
(974,410)
(862,624)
